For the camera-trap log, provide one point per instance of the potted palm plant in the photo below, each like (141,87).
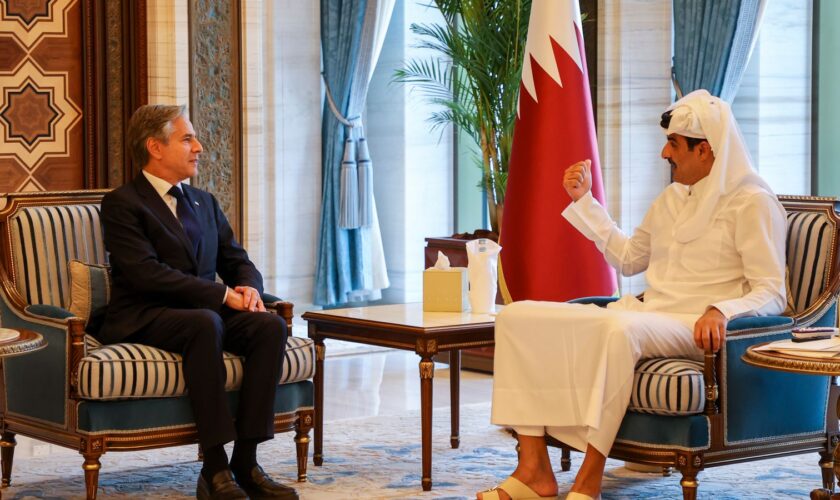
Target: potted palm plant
(474,75)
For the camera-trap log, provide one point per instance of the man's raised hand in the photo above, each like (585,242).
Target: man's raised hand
(578,179)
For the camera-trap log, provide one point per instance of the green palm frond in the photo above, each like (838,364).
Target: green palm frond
(474,75)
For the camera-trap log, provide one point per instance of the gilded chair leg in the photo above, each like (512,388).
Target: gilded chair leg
(200,456)
(302,444)
(303,425)
(91,468)
(820,494)
(827,470)
(566,459)
(7,456)
(689,484)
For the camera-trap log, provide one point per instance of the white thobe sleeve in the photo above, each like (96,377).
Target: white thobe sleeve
(630,255)
(760,241)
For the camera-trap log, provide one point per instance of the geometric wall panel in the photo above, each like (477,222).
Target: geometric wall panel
(36,114)
(11,53)
(31,20)
(42,85)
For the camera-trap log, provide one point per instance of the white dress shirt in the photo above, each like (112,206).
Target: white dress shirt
(736,266)
(162,188)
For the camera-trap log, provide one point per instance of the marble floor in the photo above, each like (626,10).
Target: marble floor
(386,382)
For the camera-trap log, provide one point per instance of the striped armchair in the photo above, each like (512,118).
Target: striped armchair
(94,398)
(692,415)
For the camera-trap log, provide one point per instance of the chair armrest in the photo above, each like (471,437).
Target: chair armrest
(267,298)
(598,301)
(37,384)
(279,307)
(752,326)
(759,324)
(48,311)
(752,391)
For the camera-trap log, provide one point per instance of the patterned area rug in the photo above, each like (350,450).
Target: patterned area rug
(379,458)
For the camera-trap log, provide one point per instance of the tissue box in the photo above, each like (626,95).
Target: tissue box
(445,290)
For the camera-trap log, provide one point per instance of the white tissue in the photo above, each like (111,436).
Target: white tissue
(482,255)
(442,262)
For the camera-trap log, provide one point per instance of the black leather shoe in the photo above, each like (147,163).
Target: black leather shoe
(221,487)
(259,485)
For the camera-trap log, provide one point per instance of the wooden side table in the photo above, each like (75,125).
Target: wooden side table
(28,341)
(407,327)
(800,364)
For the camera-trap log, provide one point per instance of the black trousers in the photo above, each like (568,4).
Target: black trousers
(200,336)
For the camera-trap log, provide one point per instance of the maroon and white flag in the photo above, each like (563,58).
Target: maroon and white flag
(544,257)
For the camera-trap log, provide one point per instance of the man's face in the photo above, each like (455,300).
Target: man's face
(688,166)
(178,157)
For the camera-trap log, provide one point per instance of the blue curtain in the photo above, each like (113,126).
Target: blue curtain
(713,40)
(340,265)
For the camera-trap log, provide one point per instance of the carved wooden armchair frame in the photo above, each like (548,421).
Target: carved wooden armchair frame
(40,392)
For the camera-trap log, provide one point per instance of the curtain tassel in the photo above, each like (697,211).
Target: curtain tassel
(348,217)
(365,167)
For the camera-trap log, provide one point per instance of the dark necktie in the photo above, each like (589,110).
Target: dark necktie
(187,217)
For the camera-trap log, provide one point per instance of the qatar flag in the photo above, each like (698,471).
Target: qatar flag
(544,257)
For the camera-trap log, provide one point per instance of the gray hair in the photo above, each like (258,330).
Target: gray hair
(151,120)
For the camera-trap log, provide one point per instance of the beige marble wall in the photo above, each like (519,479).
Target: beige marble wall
(634,87)
(168,51)
(282,98)
(254,189)
(412,164)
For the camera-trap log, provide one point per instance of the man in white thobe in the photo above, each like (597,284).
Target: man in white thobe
(712,249)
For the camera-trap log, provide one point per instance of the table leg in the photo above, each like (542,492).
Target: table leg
(427,373)
(455,396)
(320,351)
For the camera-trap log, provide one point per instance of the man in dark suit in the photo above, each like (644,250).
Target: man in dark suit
(167,242)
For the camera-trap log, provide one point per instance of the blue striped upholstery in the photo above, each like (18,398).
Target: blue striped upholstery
(675,386)
(125,371)
(668,387)
(808,246)
(44,240)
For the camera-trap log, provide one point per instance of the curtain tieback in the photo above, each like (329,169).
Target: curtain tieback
(351,122)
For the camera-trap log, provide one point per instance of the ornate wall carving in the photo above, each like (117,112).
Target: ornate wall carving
(42,72)
(114,90)
(124,81)
(215,100)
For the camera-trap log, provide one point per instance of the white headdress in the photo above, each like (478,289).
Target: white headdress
(701,115)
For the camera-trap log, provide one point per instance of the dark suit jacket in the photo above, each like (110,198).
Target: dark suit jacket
(152,260)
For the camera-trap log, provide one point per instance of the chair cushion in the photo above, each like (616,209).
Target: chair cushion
(124,371)
(668,387)
(90,289)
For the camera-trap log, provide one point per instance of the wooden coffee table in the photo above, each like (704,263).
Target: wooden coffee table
(800,364)
(407,327)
